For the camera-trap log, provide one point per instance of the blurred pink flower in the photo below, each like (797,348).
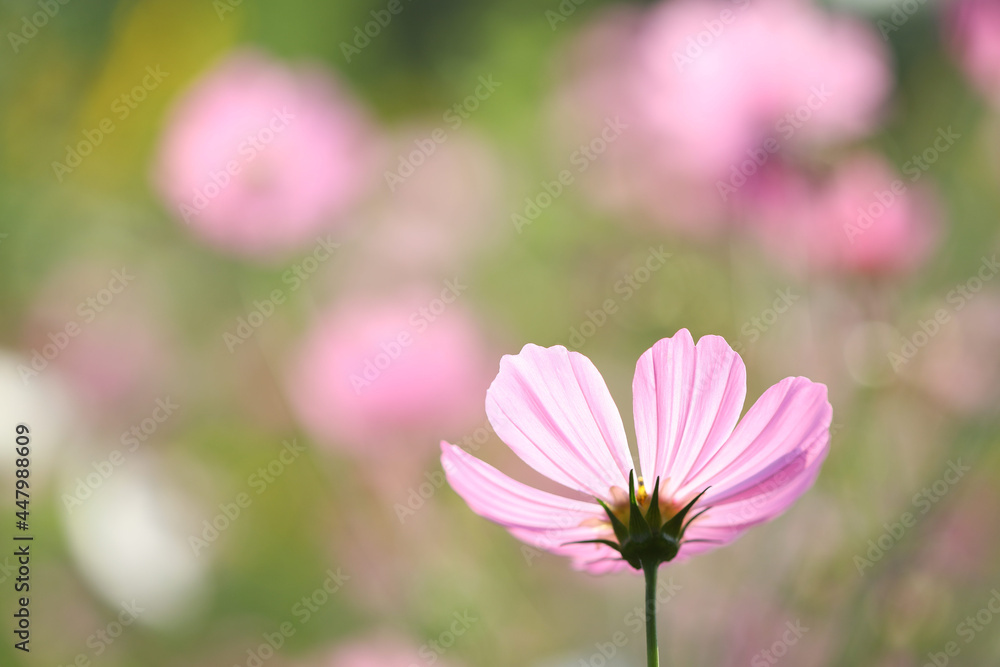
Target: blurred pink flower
(963,551)
(972,30)
(712,91)
(118,362)
(772,67)
(862,219)
(552,408)
(101,331)
(384,376)
(377,652)
(960,365)
(761,632)
(444,210)
(258,157)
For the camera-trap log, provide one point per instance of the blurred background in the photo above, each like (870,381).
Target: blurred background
(258,258)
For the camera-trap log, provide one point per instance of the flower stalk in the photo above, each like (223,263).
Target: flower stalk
(649,568)
(645,543)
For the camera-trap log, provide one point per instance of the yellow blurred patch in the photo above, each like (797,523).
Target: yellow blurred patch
(157,48)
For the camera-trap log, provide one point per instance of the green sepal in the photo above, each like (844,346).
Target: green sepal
(621,532)
(637,525)
(653,517)
(691,520)
(644,543)
(704,541)
(607,543)
(675,527)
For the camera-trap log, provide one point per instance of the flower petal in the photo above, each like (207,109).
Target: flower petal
(772,458)
(687,399)
(725,522)
(552,408)
(497,497)
(594,558)
(542,520)
(787,429)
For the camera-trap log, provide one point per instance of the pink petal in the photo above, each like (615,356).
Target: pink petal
(787,427)
(542,520)
(497,497)
(771,459)
(687,399)
(552,408)
(593,558)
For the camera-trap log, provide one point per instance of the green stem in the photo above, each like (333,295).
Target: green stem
(652,652)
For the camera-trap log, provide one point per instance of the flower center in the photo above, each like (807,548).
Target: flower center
(621,506)
(647,531)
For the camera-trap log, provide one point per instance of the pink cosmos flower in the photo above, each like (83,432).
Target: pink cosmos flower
(97,325)
(377,375)
(778,68)
(711,91)
(442,213)
(960,365)
(972,30)
(863,218)
(552,408)
(376,652)
(257,157)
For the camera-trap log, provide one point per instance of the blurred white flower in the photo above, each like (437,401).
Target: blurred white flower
(42,403)
(130,542)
